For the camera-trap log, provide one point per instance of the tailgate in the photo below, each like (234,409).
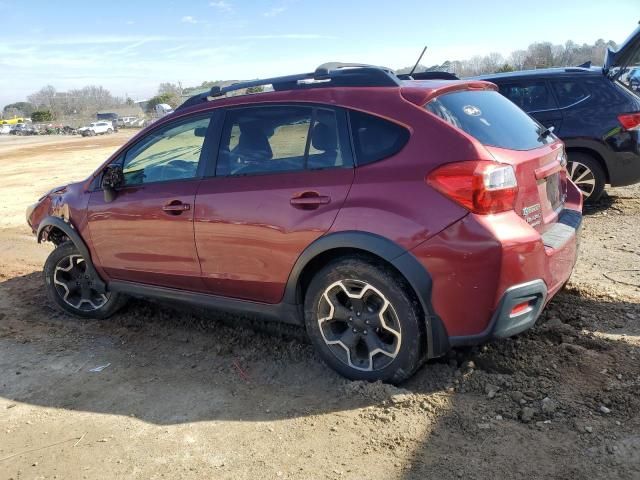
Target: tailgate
(542,182)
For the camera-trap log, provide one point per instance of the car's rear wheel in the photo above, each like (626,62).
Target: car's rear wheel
(109,131)
(588,175)
(72,287)
(363,320)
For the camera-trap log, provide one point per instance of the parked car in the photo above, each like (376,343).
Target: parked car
(5,129)
(595,114)
(393,219)
(96,128)
(23,129)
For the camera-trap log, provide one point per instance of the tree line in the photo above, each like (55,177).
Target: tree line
(537,55)
(48,103)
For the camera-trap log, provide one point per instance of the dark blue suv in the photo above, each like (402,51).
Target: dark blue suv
(591,110)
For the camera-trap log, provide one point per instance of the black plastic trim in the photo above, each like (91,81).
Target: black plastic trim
(75,237)
(281,312)
(405,262)
(502,325)
(563,230)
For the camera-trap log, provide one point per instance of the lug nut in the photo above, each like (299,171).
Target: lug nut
(365,332)
(351,319)
(367,322)
(355,331)
(357,314)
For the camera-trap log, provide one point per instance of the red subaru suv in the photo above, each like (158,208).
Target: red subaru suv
(393,218)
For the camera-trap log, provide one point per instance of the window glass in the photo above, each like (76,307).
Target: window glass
(270,139)
(529,96)
(170,153)
(490,118)
(375,138)
(569,92)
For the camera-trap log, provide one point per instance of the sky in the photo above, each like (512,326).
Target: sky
(130,47)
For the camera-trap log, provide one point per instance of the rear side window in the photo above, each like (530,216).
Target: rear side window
(531,96)
(375,138)
(490,118)
(569,92)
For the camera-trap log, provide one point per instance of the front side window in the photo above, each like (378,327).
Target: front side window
(168,153)
(531,96)
(271,139)
(569,92)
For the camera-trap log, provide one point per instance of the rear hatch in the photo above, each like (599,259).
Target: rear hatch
(512,138)
(618,63)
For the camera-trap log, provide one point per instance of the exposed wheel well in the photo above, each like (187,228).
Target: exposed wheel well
(593,154)
(54,235)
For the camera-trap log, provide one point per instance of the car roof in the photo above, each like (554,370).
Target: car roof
(542,72)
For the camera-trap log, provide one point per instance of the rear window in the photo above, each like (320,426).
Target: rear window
(569,92)
(490,118)
(375,138)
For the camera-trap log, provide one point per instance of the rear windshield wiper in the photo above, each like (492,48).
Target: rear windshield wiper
(544,133)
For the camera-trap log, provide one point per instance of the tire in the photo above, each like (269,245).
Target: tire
(387,320)
(64,270)
(587,173)
(109,131)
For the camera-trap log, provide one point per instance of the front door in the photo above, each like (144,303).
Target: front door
(282,174)
(146,234)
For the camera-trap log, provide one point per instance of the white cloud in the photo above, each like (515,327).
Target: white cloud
(188,19)
(275,11)
(221,5)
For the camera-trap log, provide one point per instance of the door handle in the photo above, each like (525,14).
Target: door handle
(309,200)
(176,207)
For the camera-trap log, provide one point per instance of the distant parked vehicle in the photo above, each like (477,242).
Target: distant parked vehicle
(23,129)
(5,129)
(96,128)
(592,110)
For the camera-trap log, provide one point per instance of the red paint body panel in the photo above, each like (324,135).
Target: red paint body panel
(249,236)
(135,240)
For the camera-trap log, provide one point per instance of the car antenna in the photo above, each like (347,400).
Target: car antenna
(419,58)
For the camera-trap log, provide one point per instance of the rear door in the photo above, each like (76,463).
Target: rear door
(282,174)
(534,97)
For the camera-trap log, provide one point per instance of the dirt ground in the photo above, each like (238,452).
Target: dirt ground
(194,395)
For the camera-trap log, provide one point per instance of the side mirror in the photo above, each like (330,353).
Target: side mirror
(112,179)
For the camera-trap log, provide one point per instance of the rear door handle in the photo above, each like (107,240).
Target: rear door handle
(176,207)
(309,200)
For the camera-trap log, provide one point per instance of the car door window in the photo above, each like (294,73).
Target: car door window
(168,153)
(271,139)
(569,92)
(529,96)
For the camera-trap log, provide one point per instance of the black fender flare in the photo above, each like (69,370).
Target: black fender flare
(404,261)
(74,236)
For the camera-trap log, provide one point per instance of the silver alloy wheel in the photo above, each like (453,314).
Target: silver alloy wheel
(75,285)
(359,325)
(583,177)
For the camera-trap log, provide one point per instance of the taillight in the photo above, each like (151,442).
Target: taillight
(480,186)
(630,121)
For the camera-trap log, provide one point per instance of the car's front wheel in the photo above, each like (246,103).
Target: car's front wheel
(71,286)
(363,320)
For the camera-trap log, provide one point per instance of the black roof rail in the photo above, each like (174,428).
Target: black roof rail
(333,74)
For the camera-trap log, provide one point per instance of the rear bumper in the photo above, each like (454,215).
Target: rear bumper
(484,266)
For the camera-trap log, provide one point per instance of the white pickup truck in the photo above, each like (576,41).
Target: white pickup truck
(96,128)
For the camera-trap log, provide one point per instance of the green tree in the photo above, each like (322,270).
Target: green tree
(42,116)
(169,98)
(506,68)
(19,109)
